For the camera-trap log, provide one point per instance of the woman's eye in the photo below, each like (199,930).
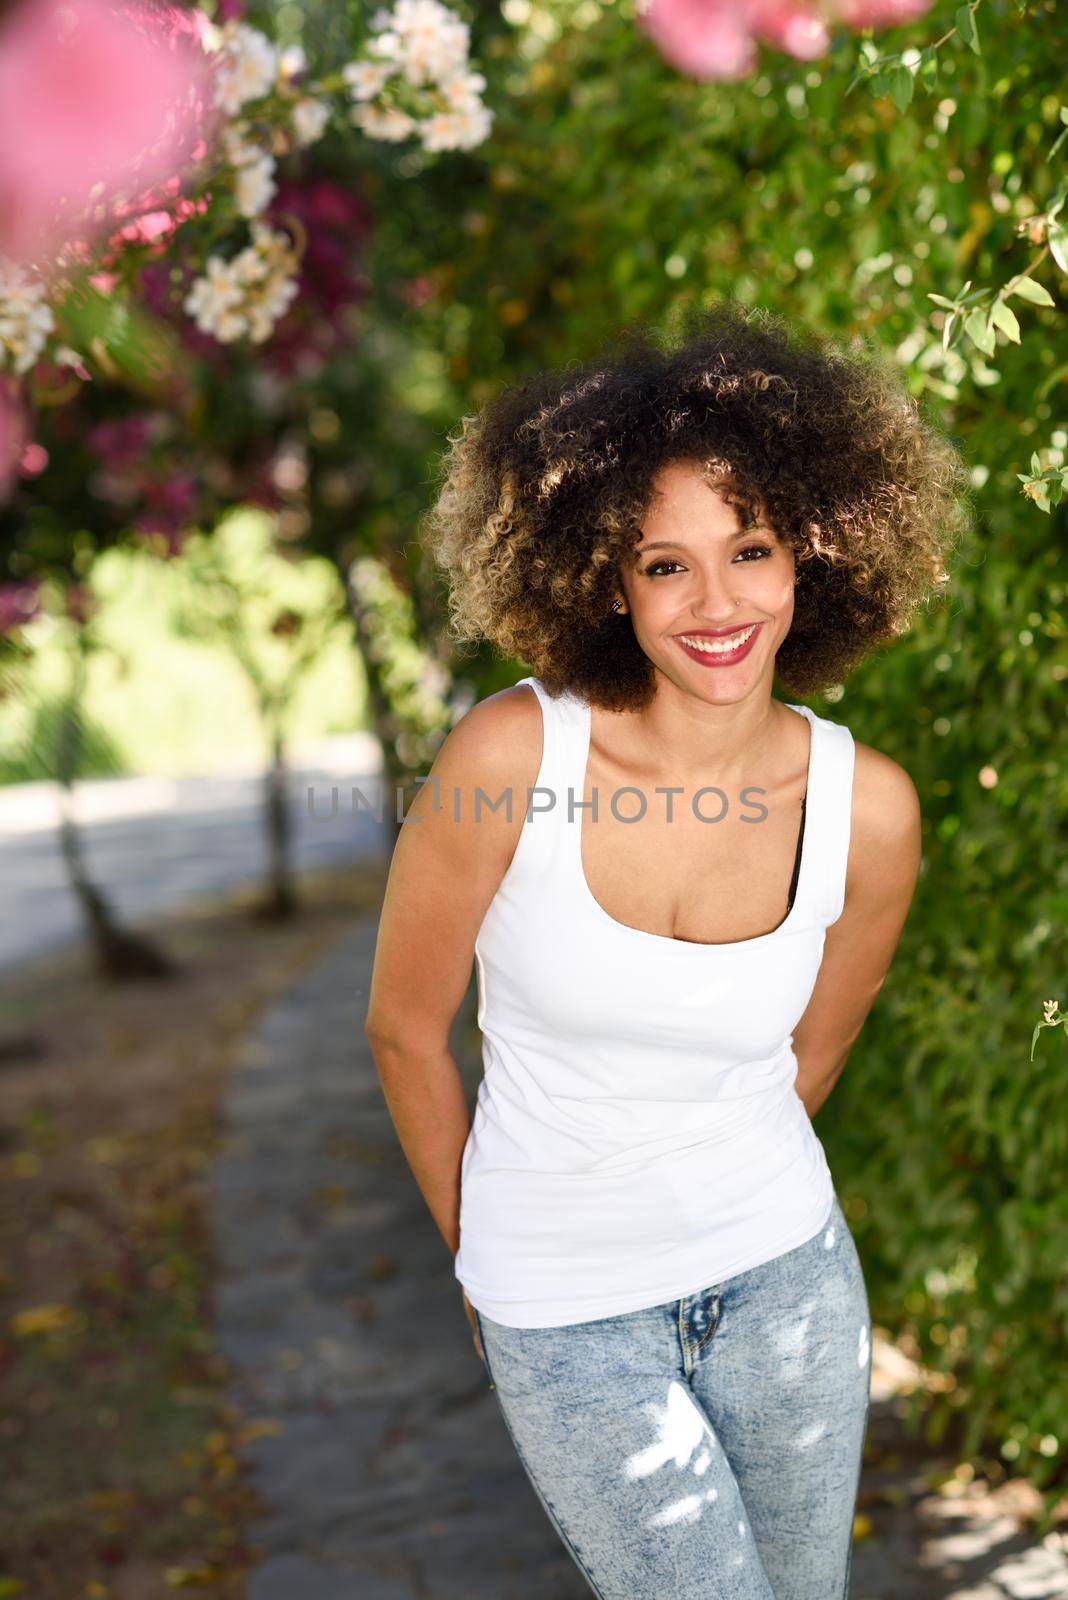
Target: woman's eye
(750,549)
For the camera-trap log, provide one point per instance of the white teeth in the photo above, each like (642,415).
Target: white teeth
(721,646)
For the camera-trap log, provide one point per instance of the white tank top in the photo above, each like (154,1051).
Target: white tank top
(637,1135)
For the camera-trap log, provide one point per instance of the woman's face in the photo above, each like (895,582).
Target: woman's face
(698,573)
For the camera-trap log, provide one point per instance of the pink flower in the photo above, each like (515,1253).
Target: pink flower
(88,97)
(708,39)
(34,460)
(880,13)
(152,226)
(122,445)
(715,39)
(791,25)
(19,603)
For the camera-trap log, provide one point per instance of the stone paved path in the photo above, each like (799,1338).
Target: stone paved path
(391,1475)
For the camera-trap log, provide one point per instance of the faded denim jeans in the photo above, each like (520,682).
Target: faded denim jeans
(710,1446)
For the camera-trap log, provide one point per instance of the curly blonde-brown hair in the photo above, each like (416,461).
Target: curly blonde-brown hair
(544,489)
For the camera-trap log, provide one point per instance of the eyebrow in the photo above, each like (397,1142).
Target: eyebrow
(677,544)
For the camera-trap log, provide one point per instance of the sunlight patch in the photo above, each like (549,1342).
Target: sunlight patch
(681,1431)
(685,1510)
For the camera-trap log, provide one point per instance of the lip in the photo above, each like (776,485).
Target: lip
(723,658)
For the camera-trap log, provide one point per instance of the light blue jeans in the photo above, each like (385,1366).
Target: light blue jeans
(707,1447)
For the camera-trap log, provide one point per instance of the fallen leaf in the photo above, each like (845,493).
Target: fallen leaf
(43,1319)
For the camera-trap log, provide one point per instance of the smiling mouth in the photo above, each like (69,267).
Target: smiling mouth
(729,645)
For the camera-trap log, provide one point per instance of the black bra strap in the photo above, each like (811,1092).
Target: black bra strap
(797,857)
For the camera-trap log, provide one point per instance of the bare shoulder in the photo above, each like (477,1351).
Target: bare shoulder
(887,823)
(498,741)
(885,799)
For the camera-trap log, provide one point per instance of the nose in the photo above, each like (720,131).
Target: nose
(716,602)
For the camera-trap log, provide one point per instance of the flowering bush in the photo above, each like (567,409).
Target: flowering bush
(228,104)
(95,98)
(712,39)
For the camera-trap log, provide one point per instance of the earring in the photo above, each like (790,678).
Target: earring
(617,605)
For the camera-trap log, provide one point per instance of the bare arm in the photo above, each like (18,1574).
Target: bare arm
(884,863)
(442,877)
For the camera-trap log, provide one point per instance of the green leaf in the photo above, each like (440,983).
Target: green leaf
(940,300)
(869,55)
(980,332)
(1057,239)
(1005,319)
(900,81)
(947,329)
(1028,289)
(1036,461)
(965,20)
(138,348)
(880,84)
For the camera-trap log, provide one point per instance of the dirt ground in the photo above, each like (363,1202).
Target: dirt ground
(123,1476)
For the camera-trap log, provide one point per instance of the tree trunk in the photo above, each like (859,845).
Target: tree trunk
(384,724)
(117,953)
(282,900)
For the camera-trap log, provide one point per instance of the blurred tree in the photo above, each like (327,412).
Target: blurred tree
(237,596)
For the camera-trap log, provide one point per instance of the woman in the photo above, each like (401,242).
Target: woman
(677,940)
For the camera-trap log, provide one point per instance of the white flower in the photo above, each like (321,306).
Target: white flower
(365,78)
(423,38)
(245,297)
(435,42)
(228,326)
(247,67)
(456,130)
(238,145)
(461,90)
(215,293)
(249,268)
(292,61)
(264,313)
(428,45)
(384,122)
(26,318)
(254,186)
(389,45)
(254,169)
(310,118)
